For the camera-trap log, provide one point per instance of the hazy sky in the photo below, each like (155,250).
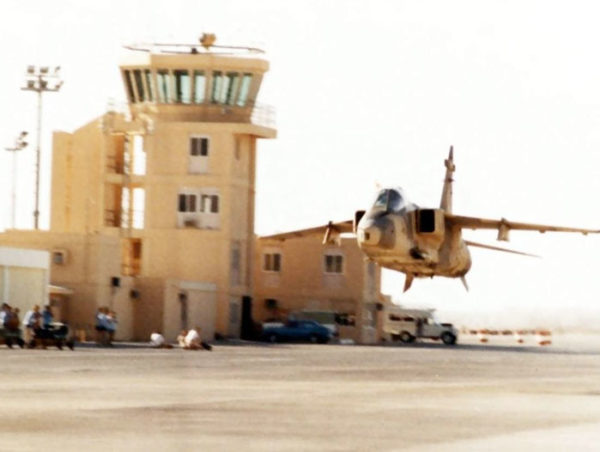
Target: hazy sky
(367,93)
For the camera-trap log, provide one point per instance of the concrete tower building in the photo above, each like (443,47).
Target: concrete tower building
(187,222)
(167,190)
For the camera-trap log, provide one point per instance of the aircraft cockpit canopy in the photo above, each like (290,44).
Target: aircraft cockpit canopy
(389,200)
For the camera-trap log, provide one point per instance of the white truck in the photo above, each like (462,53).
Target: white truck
(407,325)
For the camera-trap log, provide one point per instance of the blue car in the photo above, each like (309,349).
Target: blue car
(297,331)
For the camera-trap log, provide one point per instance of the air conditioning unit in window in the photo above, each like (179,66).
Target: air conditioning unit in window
(59,257)
(191,223)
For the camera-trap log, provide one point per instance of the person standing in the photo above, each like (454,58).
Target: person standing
(101,332)
(31,321)
(47,317)
(111,326)
(4,313)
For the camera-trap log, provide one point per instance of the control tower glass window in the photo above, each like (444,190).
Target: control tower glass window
(233,80)
(244,90)
(129,86)
(199,87)
(218,87)
(139,84)
(149,85)
(164,86)
(183,86)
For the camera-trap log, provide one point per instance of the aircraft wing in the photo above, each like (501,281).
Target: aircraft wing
(503,226)
(326,230)
(497,248)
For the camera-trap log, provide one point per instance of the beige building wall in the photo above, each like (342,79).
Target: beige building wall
(24,276)
(305,281)
(87,265)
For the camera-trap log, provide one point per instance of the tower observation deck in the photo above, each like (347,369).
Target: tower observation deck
(201,82)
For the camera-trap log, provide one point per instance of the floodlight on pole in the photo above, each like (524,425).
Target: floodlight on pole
(40,80)
(20,143)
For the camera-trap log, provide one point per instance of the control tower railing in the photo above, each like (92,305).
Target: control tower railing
(259,114)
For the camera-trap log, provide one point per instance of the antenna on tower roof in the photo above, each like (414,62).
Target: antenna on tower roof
(208,40)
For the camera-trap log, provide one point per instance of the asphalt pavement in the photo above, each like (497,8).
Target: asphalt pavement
(282,397)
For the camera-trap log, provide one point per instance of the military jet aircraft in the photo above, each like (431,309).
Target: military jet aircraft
(420,242)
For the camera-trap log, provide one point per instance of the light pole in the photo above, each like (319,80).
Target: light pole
(40,80)
(20,143)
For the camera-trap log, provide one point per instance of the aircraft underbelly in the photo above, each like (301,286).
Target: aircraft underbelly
(452,263)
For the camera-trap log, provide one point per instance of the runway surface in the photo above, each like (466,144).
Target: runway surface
(255,397)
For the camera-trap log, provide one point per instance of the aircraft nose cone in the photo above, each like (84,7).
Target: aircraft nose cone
(370,236)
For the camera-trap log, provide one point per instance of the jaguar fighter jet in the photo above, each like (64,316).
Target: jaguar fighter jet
(420,242)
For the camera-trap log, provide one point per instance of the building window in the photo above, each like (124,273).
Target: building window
(139,84)
(199,87)
(209,204)
(232,85)
(183,88)
(272,262)
(334,263)
(187,203)
(244,90)
(218,84)
(198,208)
(129,86)
(59,257)
(149,84)
(199,147)
(164,83)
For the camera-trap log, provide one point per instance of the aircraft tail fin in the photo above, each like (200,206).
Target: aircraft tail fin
(446,202)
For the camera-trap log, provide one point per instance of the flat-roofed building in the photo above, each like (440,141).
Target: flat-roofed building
(302,274)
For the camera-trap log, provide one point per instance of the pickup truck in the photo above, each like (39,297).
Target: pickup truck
(407,325)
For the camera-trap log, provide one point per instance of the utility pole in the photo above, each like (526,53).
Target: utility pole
(20,143)
(40,80)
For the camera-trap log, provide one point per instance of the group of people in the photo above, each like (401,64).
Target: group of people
(187,340)
(35,323)
(106,326)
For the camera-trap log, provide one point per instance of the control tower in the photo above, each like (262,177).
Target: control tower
(173,179)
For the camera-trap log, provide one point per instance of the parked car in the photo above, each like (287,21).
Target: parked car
(296,331)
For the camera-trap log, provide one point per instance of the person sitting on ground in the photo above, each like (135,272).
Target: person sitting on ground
(157,340)
(192,339)
(181,338)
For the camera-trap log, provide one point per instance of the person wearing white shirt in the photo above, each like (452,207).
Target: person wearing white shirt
(30,322)
(157,340)
(192,340)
